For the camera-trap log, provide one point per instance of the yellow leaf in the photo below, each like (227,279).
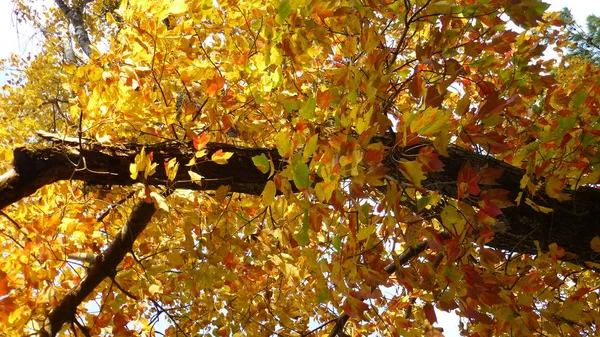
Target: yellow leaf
(178,7)
(554,187)
(68,225)
(365,232)
(221,193)
(537,207)
(442,139)
(17,316)
(310,147)
(283,143)
(595,244)
(103,139)
(141,160)
(363,123)
(172,168)
(268,194)
(430,121)
(463,104)
(175,259)
(453,219)
(200,154)
(196,178)
(155,289)
(110,18)
(133,171)
(150,169)
(412,171)
(159,201)
(221,157)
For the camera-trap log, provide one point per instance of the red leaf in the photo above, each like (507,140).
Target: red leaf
(486,89)
(430,159)
(497,197)
(491,256)
(354,307)
(467,181)
(430,313)
(488,207)
(229,261)
(120,324)
(490,175)
(482,318)
(415,86)
(491,142)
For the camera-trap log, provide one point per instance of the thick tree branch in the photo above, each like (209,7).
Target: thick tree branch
(571,225)
(75,15)
(68,52)
(104,265)
(109,165)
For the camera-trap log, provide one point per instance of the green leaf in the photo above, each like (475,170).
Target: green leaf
(308,110)
(365,232)
(336,242)
(310,147)
(261,162)
(283,11)
(301,178)
(323,294)
(423,202)
(463,105)
(302,236)
(579,98)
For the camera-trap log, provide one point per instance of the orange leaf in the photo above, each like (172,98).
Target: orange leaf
(215,85)
(4,288)
(324,99)
(221,157)
(201,141)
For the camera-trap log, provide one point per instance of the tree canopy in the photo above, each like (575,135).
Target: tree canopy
(586,42)
(299,168)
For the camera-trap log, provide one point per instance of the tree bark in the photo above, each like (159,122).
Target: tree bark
(572,224)
(104,265)
(75,15)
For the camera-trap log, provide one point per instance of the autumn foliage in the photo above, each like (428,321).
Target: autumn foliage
(299,168)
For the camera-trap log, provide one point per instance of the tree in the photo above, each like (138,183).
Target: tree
(586,43)
(299,168)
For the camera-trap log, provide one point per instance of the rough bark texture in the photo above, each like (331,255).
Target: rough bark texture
(75,15)
(104,265)
(571,225)
(96,164)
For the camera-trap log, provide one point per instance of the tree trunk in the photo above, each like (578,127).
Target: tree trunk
(572,224)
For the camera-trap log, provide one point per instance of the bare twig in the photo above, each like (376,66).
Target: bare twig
(407,255)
